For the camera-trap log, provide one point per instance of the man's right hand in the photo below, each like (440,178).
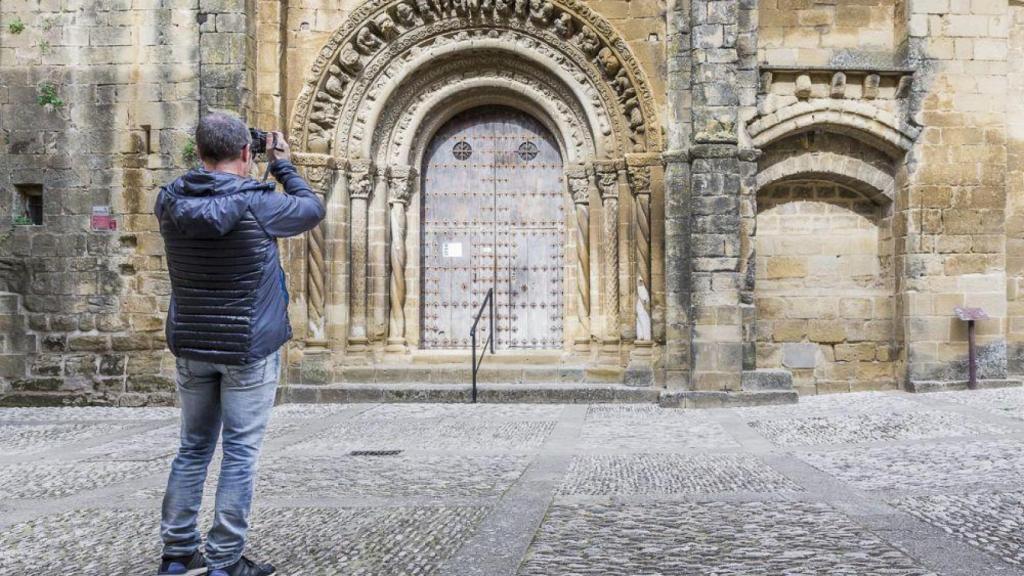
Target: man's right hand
(278,148)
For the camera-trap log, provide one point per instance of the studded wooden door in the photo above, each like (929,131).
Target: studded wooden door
(493,218)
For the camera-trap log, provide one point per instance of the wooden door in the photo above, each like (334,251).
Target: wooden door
(493,218)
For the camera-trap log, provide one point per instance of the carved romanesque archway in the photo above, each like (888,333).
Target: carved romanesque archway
(394,73)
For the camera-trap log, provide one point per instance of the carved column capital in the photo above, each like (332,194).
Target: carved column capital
(606,176)
(578,178)
(639,180)
(308,159)
(318,170)
(361,175)
(402,179)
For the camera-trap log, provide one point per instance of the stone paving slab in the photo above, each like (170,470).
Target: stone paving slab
(304,411)
(21,439)
(467,411)
(85,413)
(866,428)
(866,484)
(385,476)
(682,539)
(65,479)
(993,522)
(417,434)
(654,474)
(302,541)
(834,404)
(946,465)
(1002,401)
(149,445)
(163,441)
(651,429)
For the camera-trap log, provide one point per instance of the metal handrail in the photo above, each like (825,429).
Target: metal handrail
(488,302)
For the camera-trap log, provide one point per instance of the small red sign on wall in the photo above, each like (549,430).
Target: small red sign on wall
(102,220)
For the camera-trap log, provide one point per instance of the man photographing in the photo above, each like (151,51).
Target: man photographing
(226,324)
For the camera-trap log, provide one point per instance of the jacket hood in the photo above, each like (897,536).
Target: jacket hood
(205,204)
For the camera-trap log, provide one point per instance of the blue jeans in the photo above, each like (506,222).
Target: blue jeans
(233,402)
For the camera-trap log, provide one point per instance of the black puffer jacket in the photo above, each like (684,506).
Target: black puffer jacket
(229,301)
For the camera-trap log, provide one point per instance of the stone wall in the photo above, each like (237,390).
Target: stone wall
(815,32)
(824,287)
(773,112)
(951,218)
(98,100)
(1015,192)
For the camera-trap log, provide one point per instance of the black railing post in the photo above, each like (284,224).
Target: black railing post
(488,304)
(472,336)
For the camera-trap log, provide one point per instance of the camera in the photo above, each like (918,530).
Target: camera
(259,140)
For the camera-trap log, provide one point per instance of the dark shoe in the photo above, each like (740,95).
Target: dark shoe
(244,567)
(193,565)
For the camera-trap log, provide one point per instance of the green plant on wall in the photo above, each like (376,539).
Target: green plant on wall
(189,153)
(44,47)
(48,96)
(22,220)
(16,26)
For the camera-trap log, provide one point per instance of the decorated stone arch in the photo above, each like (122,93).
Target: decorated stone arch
(392,75)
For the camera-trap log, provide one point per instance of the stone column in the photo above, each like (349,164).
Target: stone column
(607,179)
(677,359)
(402,180)
(319,172)
(578,182)
(640,187)
(338,284)
(723,51)
(360,190)
(378,262)
(315,365)
(723,54)
(640,370)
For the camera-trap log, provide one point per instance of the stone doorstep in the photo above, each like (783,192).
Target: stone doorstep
(766,380)
(461,374)
(716,399)
(501,357)
(461,393)
(943,386)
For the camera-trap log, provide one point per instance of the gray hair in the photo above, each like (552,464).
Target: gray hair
(221,137)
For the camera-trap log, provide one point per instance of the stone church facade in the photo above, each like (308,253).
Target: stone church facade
(711,200)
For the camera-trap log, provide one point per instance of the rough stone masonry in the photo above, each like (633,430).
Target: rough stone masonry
(760,197)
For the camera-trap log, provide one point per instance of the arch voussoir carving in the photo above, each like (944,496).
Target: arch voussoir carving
(359,60)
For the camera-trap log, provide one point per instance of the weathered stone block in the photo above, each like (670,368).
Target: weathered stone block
(825,331)
(765,380)
(88,343)
(799,355)
(150,383)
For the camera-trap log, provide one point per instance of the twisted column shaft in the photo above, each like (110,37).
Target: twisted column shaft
(399,195)
(640,184)
(319,172)
(578,181)
(317,273)
(396,320)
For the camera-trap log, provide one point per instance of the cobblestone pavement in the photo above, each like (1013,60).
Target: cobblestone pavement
(862,484)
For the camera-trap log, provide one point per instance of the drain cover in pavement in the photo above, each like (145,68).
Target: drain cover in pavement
(374,452)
